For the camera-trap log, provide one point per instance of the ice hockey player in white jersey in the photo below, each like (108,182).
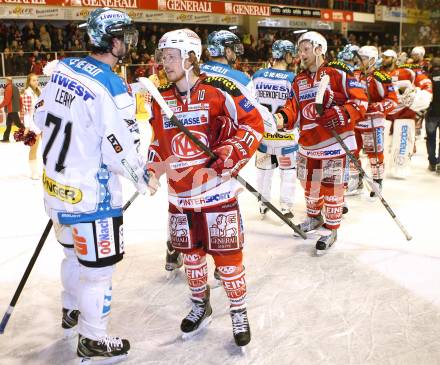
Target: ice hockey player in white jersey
(89,137)
(224,47)
(274,86)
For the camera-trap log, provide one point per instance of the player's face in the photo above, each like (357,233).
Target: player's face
(289,58)
(119,48)
(387,61)
(416,57)
(172,64)
(305,52)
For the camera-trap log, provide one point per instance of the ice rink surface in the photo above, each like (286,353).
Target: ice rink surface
(373,299)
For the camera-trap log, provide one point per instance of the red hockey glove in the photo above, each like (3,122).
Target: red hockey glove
(334,117)
(332,98)
(232,156)
(221,129)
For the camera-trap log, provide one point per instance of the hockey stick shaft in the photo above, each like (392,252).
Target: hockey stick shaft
(325,81)
(169,113)
(31,263)
(373,186)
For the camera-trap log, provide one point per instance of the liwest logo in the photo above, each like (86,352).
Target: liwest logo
(72,85)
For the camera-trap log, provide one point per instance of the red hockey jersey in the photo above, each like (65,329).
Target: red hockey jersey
(315,140)
(190,184)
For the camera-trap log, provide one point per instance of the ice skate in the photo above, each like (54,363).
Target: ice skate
(287,211)
(107,350)
(378,183)
(69,322)
(357,189)
(240,327)
(437,169)
(310,224)
(345,208)
(325,242)
(263,210)
(173,261)
(198,318)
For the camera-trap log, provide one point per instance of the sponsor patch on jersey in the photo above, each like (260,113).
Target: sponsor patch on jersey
(308,94)
(302,82)
(207,200)
(323,153)
(223,84)
(199,106)
(104,237)
(278,137)
(355,84)
(193,118)
(115,143)
(62,192)
(246,105)
(172,102)
(223,230)
(184,148)
(185,164)
(391,88)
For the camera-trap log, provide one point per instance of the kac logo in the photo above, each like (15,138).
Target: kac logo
(184,148)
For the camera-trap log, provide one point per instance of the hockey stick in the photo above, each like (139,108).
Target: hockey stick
(319,100)
(31,263)
(169,113)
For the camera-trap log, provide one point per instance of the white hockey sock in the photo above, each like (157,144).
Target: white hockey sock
(94,300)
(264,182)
(287,187)
(70,279)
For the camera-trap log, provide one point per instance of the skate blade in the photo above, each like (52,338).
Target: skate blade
(205,323)
(319,253)
(102,360)
(69,333)
(171,275)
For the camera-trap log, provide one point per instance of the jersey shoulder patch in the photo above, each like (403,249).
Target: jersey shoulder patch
(411,66)
(339,65)
(223,84)
(165,87)
(381,76)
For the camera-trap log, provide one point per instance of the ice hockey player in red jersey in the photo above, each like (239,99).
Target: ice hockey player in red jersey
(204,216)
(321,159)
(382,99)
(414,97)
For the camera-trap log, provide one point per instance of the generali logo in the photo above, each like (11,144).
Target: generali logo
(186,5)
(247,9)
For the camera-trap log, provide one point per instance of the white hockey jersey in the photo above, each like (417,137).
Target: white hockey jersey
(273,88)
(89,136)
(246,86)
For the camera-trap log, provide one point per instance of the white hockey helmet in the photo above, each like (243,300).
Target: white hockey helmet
(390,53)
(184,40)
(316,39)
(369,52)
(419,51)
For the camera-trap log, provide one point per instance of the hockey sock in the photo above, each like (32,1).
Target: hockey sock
(70,279)
(233,277)
(196,271)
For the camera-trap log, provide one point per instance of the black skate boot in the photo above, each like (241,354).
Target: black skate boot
(69,321)
(326,241)
(198,318)
(379,185)
(345,208)
(311,223)
(107,347)
(240,326)
(173,259)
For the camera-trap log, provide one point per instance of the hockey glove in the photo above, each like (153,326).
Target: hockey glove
(221,129)
(334,117)
(332,98)
(231,157)
(279,120)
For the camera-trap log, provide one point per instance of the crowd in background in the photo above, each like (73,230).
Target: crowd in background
(29,47)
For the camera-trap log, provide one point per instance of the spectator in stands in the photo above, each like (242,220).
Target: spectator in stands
(58,40)
(21,63)
(45,40)
(152,44)
(11,100)
(9,63)
(29,31)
